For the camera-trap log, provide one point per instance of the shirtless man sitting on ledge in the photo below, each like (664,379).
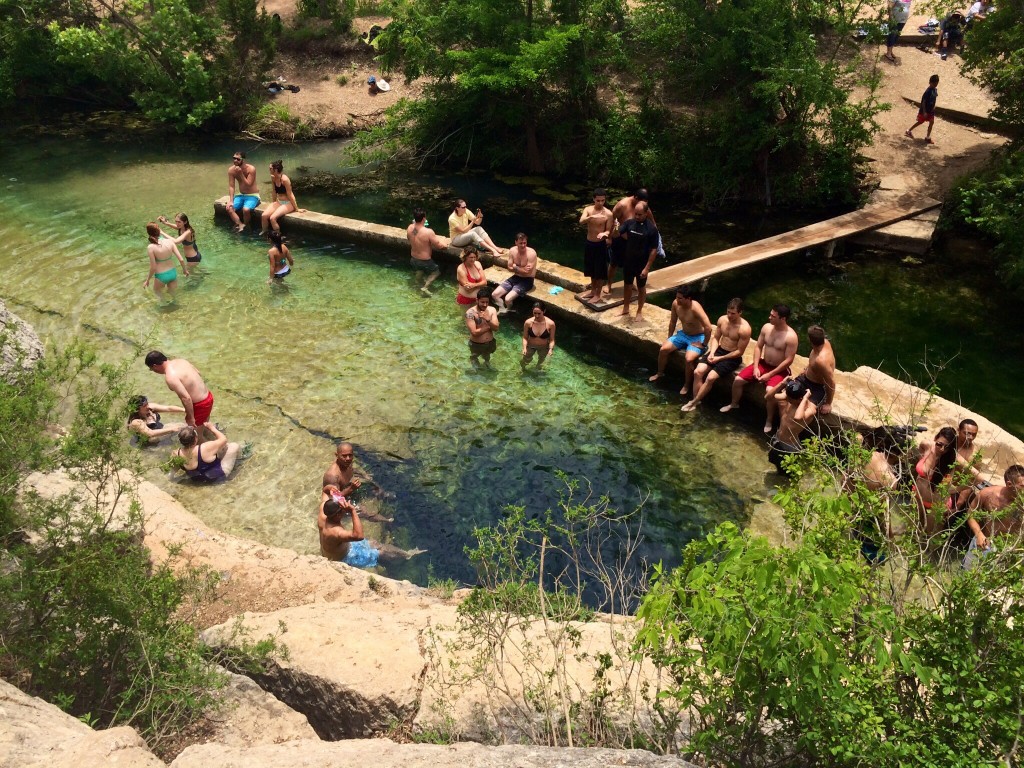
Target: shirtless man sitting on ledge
(773,356)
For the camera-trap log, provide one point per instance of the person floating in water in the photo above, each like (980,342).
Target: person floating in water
(161,265)
(348,545)
(248,197)
(144,419)
(184,380)
(423,241)
(281,261)
(210,461)
(284,200)
(186,237)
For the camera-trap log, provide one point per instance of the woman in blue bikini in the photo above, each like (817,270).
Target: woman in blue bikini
(186,237)
(161,262)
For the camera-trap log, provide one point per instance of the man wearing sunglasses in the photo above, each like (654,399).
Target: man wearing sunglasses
(248,196)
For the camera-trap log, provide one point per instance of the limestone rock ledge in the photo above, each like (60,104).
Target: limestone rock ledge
(381,753)
(34,734)
(18,342)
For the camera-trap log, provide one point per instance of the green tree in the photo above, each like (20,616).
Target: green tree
(513,81)
(182,62)
(757,93)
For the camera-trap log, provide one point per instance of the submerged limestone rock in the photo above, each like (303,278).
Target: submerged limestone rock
(19,344)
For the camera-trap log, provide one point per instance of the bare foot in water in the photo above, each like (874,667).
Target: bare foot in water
(727,408)
(690,406)
(684,391)
(659,375)
(240,228)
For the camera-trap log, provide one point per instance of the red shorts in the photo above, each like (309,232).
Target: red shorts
(747,374)
(201,410)
(464,300)
(923,118)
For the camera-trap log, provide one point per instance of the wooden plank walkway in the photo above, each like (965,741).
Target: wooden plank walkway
(870,217)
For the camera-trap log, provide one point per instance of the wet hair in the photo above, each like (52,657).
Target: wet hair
(278,166)
(599,192)
(135,405)
(240,153)
(469,249)
(485,293)
(538,305)
(641,194)
(736,304)
(188,436)
(153,231)
(933,80)
(686,291)
(331,507)
(520,236)
(418,215)
(967,423)
(817,335)
(948,458)
(155,357)
(1013,474)
(782,310)
(276,238)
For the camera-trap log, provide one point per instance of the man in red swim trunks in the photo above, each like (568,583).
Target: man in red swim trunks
(773,355)
(184,380)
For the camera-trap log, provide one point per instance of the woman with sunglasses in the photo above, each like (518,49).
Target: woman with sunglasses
(284,200)
(464,228)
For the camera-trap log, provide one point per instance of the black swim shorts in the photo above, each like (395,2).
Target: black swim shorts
(595,259)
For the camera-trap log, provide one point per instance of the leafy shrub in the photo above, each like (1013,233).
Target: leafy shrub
(810,655)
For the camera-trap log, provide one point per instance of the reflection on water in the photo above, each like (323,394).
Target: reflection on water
(348,350)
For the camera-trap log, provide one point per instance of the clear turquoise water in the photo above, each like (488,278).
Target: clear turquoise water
(346,349)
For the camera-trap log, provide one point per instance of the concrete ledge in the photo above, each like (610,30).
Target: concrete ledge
(864,398)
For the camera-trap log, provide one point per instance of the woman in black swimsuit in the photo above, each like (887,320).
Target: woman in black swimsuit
(209,461)
(284,199)
(538,337)
(144,419)
(186,237)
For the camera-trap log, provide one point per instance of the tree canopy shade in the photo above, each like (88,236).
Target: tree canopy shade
(183,62)
(746,97)
(510,78)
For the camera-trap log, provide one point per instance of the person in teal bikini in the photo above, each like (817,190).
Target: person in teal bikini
(161,262)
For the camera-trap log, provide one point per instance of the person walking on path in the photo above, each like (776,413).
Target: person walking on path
(927,111)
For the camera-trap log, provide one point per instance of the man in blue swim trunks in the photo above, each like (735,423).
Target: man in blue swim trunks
(694,330)
(248,196)
(340,544)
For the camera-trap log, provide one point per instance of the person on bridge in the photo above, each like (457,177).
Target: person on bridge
(599,221)
(773,355)
(731,337)
(641,236)
(623,212)
(692,336)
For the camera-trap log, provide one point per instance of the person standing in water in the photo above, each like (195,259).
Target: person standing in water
(284,200)
(538,337)
(423,241)
(281,261)
(482,322)
(470,276)
(161,262)
(186,237)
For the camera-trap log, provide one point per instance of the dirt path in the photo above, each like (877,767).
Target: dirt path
(932,169)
